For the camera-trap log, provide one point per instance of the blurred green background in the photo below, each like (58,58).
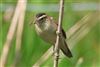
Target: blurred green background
(33,47)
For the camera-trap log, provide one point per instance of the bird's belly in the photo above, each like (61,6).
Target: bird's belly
(48,37)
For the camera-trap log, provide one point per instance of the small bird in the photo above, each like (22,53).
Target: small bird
(46,28)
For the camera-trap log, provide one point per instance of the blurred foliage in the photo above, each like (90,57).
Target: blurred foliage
(33,47)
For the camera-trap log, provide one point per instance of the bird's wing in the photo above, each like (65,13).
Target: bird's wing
(62,30)
(63,33)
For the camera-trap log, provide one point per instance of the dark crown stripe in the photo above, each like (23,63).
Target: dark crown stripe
(40,14)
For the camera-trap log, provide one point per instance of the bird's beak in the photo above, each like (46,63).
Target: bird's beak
(32,22)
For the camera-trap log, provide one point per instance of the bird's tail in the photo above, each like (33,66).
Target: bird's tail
(65,49)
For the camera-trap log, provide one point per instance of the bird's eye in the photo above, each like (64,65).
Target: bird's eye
(41,19)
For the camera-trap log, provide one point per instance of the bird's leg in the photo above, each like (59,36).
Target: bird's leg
(53,50)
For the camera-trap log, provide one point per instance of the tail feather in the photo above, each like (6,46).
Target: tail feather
(66,50)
